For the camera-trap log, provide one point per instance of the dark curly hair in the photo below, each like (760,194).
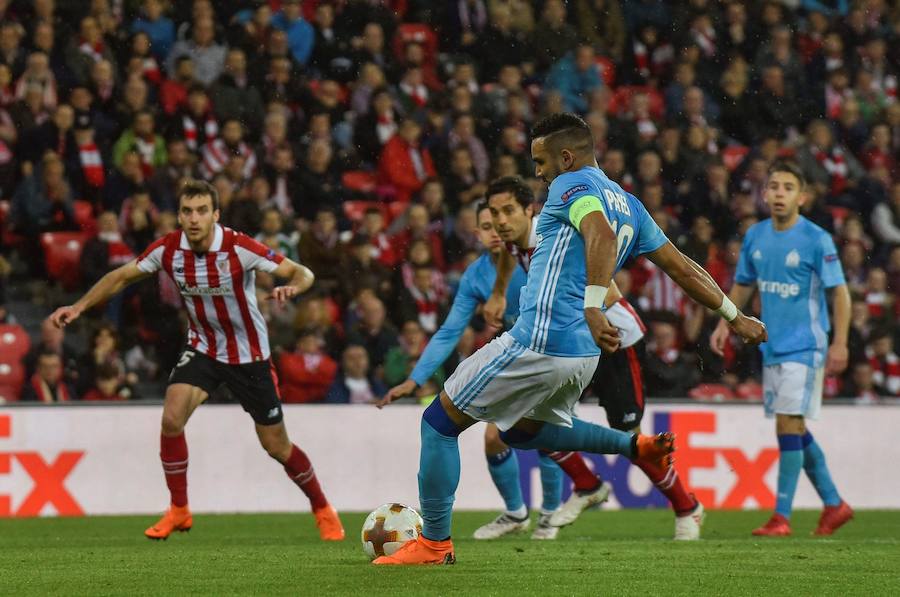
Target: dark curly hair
(514,185)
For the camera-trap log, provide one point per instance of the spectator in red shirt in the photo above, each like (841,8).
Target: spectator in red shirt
(403,163)
(106,251)
(884,361)
(173,92)
(382,248)
(107,385)
(419,227)
(307,372)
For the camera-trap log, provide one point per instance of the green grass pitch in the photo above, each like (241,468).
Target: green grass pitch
(604,553)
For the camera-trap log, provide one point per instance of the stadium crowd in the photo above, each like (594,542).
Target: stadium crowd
(357,136)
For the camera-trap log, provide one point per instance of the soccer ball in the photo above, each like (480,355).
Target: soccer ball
(388,527)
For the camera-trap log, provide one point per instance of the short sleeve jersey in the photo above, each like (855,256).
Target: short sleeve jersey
(551,318)
(791,268)
(219,291)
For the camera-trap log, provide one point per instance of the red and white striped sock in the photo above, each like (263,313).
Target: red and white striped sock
(573,464)
(300,470)
(669,483)
(174,455)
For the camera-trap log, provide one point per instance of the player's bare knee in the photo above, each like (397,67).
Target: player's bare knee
(276,448)
(275,442)
(789,424)
(173,422)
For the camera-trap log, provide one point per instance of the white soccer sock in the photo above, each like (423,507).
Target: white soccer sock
(520,513)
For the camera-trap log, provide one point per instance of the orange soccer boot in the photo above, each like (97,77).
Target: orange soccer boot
(833,518)
(176,518)
(330,527)
(656,448)
(778,526)
(420,551)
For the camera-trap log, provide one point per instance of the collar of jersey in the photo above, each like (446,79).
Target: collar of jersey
(218,235)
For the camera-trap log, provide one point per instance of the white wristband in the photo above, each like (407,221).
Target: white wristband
(728,310)
(594,296)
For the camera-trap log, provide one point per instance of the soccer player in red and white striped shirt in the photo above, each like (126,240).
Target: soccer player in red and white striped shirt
(214,268)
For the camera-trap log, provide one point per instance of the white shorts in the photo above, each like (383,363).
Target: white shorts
(505,381)
(793,389)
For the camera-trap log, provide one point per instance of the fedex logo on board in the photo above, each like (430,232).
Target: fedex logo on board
(740,483)
(48,478)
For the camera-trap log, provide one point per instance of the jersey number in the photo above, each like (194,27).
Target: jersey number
(185,358)
(623,238)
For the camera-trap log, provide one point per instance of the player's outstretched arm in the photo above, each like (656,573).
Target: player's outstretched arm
(441,344)
(700,286)
(300,279)
(399,391)
(838,354)
(600,252)
(740,295)
(107,286)
(495,307)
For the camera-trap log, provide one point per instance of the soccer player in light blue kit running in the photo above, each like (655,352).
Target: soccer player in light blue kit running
(528,380)
(792,261)
(475,288)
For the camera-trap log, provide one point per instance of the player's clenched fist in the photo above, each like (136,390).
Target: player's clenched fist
(605,334)
(64,316)
(752,330)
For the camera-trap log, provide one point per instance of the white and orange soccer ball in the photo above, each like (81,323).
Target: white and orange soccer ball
(388,527)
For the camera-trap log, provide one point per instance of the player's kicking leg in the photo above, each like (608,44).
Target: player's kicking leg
(793,392)
(501,383)
(180,402)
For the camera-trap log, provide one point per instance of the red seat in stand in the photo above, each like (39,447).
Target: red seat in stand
(62,255)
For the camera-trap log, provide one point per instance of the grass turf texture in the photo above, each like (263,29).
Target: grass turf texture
(609,553)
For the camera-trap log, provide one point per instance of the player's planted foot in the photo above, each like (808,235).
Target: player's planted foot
(578,502)
(656,448)
(778,526)
(545,529)
(503,525)
(330,527)
(833,518)
(687,527)
(176,518)
(420,551)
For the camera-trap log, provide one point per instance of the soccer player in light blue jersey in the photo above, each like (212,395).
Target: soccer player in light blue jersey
(475,288)
(792,262)
(528,380)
